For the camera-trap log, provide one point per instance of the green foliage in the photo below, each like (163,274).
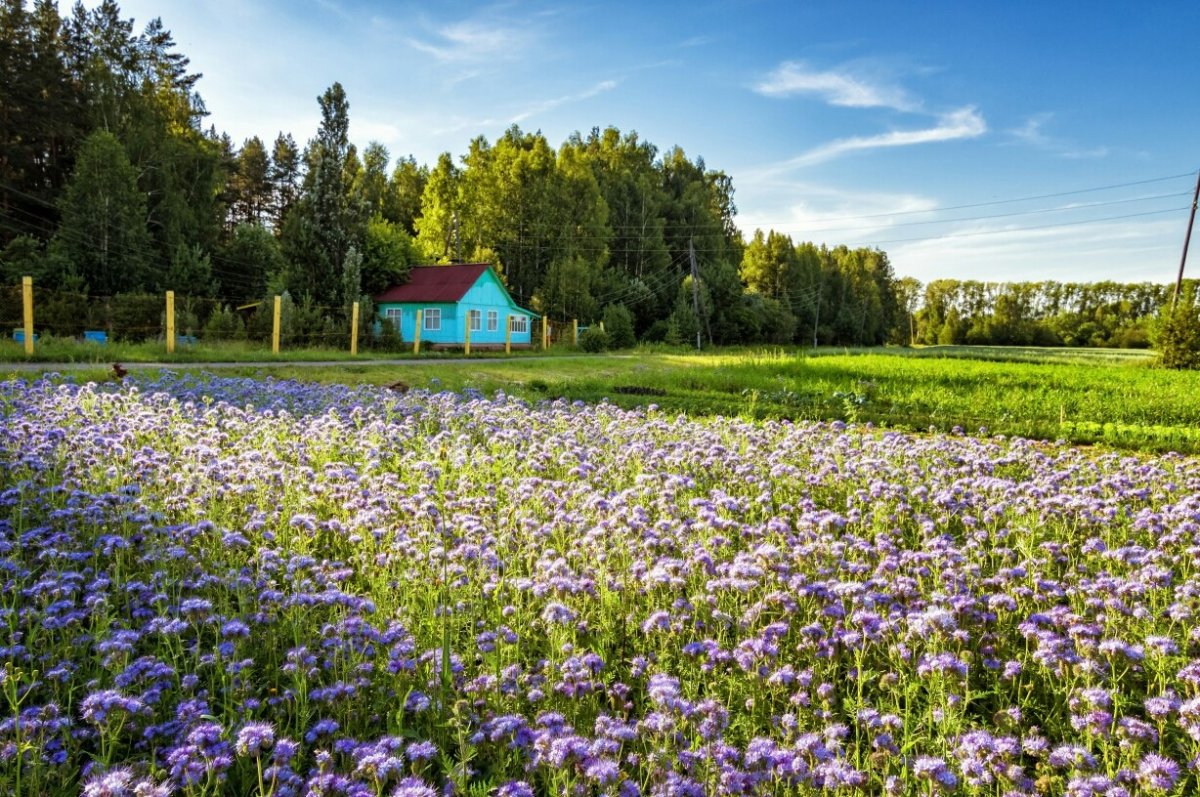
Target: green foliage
(618,323)
(190,273)
(388,339)
(223,325)
(247,260)
(103,234)
(389,255)
(23,257)
(135,316)
(594,339)
(1177,335)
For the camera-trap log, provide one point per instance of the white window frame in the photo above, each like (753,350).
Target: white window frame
(432,319)
(394,314)
(493,320)
(519,323)
(475,319)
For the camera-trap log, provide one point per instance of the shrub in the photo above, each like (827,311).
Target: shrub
(1177,335)
(223,324)
(618,323)
(593,340)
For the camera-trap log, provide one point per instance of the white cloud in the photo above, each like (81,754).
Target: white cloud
(475,40)
(824,214)
(1128,250)
(547,105)
(963,123)
(1032,133)
(834,87)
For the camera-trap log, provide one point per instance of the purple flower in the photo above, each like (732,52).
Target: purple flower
(516,788)
(1157,773)
(255,738)
(421,751)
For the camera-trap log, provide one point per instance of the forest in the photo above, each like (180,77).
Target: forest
(113,189)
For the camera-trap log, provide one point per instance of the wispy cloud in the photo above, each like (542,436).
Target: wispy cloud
(1145,248)
(547,105)
(962,123)
(826,214)
(474,40)
(1033,133)
(837,87)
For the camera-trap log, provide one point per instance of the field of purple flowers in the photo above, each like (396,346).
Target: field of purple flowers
(216,586)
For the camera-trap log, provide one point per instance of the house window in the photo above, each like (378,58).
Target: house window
(433,319)
(493,320)
(393,314)
(476,319)
(519,323)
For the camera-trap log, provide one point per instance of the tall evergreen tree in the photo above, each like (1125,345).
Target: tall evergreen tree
(103,238)
(325,223)
(285,177)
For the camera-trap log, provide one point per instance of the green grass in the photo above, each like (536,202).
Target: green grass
(1083,396)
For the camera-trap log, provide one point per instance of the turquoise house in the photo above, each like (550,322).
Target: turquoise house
(452,299)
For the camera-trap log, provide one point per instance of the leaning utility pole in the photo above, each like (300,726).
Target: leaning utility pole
(1186,239)
(695,290)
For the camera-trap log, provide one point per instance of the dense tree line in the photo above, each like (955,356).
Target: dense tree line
(1045,313)
(111,185)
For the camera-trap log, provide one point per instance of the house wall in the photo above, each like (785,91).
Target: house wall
(485,295)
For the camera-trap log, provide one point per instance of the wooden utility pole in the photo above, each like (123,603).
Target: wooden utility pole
(275,325)
(27,308)
(354,329)
(170,322)
(1186,240)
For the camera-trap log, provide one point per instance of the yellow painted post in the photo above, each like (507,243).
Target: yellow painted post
(354,329)
(574,331)
(545,333)
(467,347)
(417,332)
(275,329)
(27,301)
(170,322)
(508,334)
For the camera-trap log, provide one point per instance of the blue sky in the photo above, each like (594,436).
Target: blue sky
(999,141)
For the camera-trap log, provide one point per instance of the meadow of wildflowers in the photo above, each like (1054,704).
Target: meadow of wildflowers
(223,586)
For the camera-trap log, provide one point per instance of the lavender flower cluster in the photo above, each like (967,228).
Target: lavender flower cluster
(257,587)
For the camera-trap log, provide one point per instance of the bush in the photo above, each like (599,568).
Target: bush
(1177,335)
(594,340)
(618,323)
(223,324)
(388,339)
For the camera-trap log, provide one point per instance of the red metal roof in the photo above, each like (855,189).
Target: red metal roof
(435,284)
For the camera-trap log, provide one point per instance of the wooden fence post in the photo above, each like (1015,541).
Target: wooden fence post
(467,345)
(170,322)
(417,332)
(354,329)
(275,328)
(27,302)
(508,334)
(545,333)
(574,331)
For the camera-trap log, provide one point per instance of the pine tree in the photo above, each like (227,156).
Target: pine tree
(103,238)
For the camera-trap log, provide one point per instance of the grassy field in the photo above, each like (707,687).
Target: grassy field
(1083,396)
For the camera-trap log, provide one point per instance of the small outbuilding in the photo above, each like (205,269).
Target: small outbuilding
(450,300)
